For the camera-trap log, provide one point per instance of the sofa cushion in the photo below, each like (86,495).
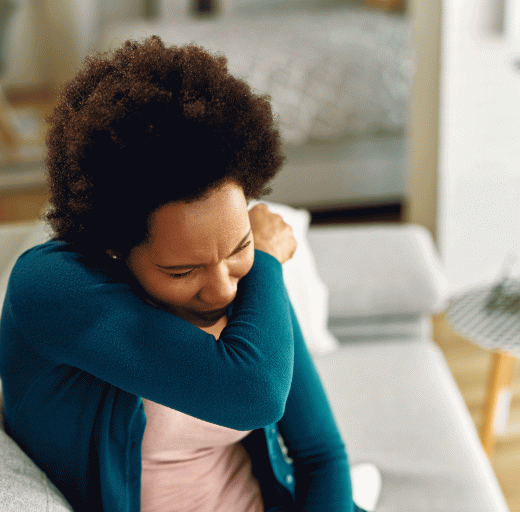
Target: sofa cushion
(399,408)
(29,488)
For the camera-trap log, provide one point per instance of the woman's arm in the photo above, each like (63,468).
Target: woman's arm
(73,312)
(321,467)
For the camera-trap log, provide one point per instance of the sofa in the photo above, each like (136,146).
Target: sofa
(364,295)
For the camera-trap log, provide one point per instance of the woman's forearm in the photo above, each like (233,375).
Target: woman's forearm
(76,314)
(321,466)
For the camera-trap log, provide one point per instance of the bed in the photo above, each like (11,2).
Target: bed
(339,76)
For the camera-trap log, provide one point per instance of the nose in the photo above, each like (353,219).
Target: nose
(220,287)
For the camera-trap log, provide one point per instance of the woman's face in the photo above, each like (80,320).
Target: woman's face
(196,254)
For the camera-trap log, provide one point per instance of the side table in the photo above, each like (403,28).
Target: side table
(490,317)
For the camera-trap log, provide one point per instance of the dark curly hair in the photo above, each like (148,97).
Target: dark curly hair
(146,126)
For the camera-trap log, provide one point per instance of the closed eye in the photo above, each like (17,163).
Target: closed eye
(184,274)
(189,272)
(243,247)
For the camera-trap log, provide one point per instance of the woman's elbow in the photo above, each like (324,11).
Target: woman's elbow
(263,404)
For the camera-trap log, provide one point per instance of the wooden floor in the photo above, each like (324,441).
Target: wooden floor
(469,365)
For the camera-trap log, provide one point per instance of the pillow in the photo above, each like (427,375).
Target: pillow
(387,270)
(307,291)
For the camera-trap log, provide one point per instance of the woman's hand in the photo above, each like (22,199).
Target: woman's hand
(271,233)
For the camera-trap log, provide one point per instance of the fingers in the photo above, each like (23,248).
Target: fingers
(271,233)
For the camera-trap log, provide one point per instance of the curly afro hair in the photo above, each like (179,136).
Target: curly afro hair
(146,126)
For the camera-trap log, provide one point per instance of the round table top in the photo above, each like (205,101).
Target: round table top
(489,315)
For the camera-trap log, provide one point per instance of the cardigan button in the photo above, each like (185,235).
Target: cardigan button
(289,479)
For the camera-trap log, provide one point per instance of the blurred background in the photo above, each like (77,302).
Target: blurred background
(339,73)
(390,111)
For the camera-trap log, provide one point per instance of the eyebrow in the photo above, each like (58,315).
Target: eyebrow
(181,267)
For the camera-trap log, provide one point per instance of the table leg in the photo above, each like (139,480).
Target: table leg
(499,382)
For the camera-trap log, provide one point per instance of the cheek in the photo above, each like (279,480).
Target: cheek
(174,291)
(246,261)
(164,289)
(158,286)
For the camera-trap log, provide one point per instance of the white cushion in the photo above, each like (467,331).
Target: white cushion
(306,289)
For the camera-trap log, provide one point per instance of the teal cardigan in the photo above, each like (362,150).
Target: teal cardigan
(79,347)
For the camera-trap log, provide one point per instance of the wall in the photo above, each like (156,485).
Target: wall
(422,166)
(479,158)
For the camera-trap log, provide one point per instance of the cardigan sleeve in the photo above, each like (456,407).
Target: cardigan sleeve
(73,312)
(321,465)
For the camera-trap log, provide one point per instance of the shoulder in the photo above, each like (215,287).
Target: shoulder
(62,258)
(44,253)
(56,268)
(52,260)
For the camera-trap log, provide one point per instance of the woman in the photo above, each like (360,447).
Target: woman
(150,357)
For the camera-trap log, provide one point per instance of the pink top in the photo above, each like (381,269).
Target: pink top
(191,465)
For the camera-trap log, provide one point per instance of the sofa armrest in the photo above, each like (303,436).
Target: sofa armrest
(379,270)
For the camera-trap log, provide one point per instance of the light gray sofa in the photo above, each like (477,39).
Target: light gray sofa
(394,398)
